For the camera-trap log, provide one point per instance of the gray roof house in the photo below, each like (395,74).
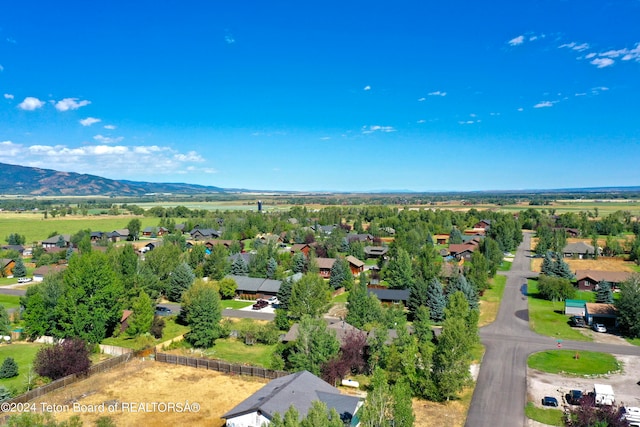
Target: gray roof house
(299,390)
(256,285)
(578,249)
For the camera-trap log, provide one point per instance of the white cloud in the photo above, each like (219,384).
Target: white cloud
(89,121)
(575,46)
(67,104)
(191,156)
(516,41)
(422,99)
(377,128)
(11,40)
(8,96)
(545,104)
(229,39)
(602,62)
(437,93)
(520,109)
(30,103)
(590,55)
(9,149)
(110,127)
(108,139)
(421,121)
(367,87)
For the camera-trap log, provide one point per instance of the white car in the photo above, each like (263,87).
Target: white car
(273,301)
(599,327)
(24,279)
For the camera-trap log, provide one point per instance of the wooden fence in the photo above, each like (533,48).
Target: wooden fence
(220,366)
(70,379)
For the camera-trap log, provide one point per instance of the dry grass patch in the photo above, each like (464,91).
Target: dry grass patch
(602,264)
(147,382)
(446,414)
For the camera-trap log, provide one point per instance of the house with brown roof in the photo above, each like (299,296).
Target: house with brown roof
(301,247)
(43,271)
(355,265)
(325,265)
(588,280)
(606,314)
(341,329)
(484,224)
(124,320)
(6,267)
(462,250)
(441,239)
(579,250)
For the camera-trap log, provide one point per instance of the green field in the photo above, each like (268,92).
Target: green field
(171,330)
(552,417)
(573,362)
(9,301)
(548,318)
(23,354)
(232,350)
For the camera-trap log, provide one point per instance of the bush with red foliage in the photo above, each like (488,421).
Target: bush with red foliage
(71,356)
(589,414)
(350,360)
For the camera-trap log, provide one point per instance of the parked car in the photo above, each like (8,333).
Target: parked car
(549,401)
(163,311)
(260,304)
(599,327)
(24,280)
(577,321)
(273,301)
(573,397)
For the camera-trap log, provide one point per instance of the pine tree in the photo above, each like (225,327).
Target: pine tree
(418,296)
(461,284)
(202,311)
(299,262)
(19,270)
(547,265)
(272,266)
(9,368)
(399,271)
(455,237)
(561,268)
(604,294)
(181,279)
(402,410)
(338,274)
(436,301)
(239,267)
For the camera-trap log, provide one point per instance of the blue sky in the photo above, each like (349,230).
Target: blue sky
(337,96)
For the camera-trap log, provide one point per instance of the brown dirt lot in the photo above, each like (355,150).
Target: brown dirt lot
(145,382)
(602,264)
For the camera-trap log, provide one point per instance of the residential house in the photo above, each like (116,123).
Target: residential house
(124,320)
(59,240)
(588,280)
(211,243)
(299,390)
(118,235)
(579,249)
(324,229)
(376,251)
(389,230)
(355,265)
(390,296)
(204,234)
(570,232)
(325,265)
(305,248)
(95,236)
(484,224)
(462,250)
(256,286)
(364,238)
(6,267)
(179,228)
(17,248)
(154,231)
(441,239)
(41,272)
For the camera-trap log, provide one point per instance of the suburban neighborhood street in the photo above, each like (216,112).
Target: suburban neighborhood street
(501,389)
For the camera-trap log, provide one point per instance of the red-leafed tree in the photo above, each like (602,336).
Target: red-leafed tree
(71,356)
(349,360)
(589,414)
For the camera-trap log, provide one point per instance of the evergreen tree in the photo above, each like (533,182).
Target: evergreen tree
(5,394)
(19,270)
(363,308)
(422,325)
(180,280)
(418,296)
(272,266)
(428,262)
(5,323)
(436,301)
(299,262)
(491,251)
(545,239)
(547,265)
(239,267)
(604,294)
(284,293)
(202,311)
(377,408)
(339,274)
(461,284)
(628,305)
(561,268)
(142,316)
(9,368)
(455,237)
(216,266)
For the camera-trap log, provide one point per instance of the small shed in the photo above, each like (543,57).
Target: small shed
(574,307)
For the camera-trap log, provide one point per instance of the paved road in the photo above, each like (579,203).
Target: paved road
(501,390)
(242,314)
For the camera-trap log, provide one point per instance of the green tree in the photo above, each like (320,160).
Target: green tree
(453,353)
(628,305)
(478,272)
(227,287)
(401,409)
(604,294)
(315,346)
(15,239)
(272,266)
(399,271)
(40,304)
(460,283)
(492,252)
(594,243)
(91,305)
(555,288)
(547,265)
(162,261)
(428,262)
(197,256)
(378,406)
(455,236)
(319,416)
(310,295)
(9,368)
(284,293)
(142,316)
(422,325)
(436,301)
(561,268)
(134,229)
(362,307)
(202,311)
(217,264)
(299,262)
(239,267)
(340,273)
(19,270)
(181,279)
(545,240)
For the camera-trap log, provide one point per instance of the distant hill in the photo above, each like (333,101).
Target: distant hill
(22,180)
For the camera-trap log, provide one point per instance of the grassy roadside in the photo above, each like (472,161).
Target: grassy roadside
(490,300)
(548,318)
(552,417)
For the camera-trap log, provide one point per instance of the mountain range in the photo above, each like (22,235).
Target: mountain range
(23,180)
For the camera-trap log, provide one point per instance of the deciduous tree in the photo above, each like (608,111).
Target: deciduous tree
(628,305)
(309,296)
(315,346)
(202,311)
(71,356)
(142,316)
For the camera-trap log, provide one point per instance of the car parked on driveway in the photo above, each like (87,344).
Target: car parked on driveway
(24,280)
(163,311)
(260,304)
(577,321)
(599,327)
(573,397)
(549,401)
(273,301)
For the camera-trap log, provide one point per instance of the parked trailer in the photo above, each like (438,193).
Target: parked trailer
(604,394)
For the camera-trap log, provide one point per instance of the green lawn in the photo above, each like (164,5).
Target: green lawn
(552,417)
(9,301)
(588,296)
(548,318)
(574,362)
(341,298)
(235,304)
(490,300)
(171,330)
(235,351)
(505,266)
(23,354)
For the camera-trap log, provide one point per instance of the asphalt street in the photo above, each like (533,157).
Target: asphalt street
(501,390)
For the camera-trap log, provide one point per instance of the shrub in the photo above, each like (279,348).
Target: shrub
(157,327)
(9,368)
(71,356)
